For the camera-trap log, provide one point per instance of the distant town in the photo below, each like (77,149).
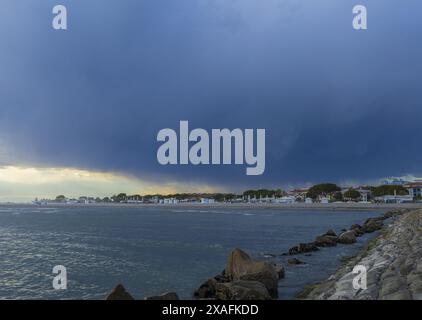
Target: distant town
(392,190)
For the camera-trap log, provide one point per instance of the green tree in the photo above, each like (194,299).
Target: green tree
(389,190)
(338,196)
(60,198)
(120,197)
(352,194)
(322,189)
(263,193)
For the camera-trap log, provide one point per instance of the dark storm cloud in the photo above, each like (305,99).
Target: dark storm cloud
(336,103)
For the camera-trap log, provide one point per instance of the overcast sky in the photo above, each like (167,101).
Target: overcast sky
(337,104)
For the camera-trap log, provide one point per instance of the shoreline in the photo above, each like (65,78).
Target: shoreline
(296,206)
(393,260)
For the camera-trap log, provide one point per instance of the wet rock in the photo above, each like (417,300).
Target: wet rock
(357,229)
(279,268)
(164,296)
(207,289)
(242,290)
(371,225)
(331,233)
(347,237)
(241,267)
(303,248)
(355,226)
(295,261)
(119,293)
(326,241)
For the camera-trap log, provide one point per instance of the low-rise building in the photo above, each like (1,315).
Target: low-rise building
(286,200)
(207,200)
(324,200)
(365,194)
(395,199)
(415,189)
(299,194)
(170,201)
(309,200)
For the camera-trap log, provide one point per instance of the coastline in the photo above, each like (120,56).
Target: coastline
(296,206)
(393,260)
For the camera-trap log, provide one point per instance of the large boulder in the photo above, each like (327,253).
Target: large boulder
(206,290)
(164,296)
(357,229)
(326,241)
(119,293)
(279,268)
(331,233)
(303,248)
(242,290)
(241,267)
(371,225)
(347,237)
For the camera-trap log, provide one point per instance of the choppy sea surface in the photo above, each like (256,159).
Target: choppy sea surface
(155,249)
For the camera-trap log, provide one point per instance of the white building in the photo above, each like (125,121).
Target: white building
(324,200)
(395,199)
(286,200)
(415,189)
(170,201)
(364,194)
(207,200)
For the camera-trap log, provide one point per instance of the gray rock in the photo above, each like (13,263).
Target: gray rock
(347,237)
(119,293)
(326,241)
(164,296)
(295,261)
(206,290)
(241,267)
(357,229)
(371,225)
(242,290)
(398,295)
(303,248)
(331,233)
(279,268)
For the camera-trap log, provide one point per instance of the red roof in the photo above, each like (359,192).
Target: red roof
(413,185)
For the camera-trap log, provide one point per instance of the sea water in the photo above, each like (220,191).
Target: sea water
(153,249)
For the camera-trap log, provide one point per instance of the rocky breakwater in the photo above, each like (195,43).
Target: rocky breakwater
(331,239)
(243,279)
(393,262)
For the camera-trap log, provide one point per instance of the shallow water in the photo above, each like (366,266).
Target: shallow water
(155,249)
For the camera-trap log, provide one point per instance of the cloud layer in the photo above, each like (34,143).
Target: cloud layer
(337,104)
